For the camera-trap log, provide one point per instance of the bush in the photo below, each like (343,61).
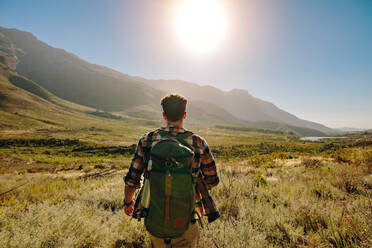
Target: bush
(260,181)
(311,162)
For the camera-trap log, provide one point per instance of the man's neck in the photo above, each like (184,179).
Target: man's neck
(177,124)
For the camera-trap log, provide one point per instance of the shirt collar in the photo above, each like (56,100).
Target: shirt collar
(173,130)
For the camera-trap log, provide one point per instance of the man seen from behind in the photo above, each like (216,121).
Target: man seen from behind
(180,169)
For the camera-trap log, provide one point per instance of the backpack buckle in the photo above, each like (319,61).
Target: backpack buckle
(168,163)
(167,242)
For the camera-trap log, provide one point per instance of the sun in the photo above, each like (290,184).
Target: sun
(200,24)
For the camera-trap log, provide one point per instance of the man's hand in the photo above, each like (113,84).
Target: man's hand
(129,209)
(128,193)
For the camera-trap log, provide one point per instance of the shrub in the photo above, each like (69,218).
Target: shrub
(260,181)
(311,162)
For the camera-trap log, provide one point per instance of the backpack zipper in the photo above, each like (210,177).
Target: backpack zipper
(168,189)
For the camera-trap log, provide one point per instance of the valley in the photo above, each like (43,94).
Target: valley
(68,192)
(69,128)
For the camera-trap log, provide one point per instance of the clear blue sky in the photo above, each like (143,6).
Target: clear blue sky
(311,58)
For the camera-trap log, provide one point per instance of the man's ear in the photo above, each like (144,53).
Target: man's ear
(164,116)
(184,115)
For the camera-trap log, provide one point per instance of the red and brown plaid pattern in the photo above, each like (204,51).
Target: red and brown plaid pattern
(204,167)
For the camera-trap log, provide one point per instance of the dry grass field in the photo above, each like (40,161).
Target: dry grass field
(275,191)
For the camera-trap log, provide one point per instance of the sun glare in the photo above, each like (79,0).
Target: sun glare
(200,24)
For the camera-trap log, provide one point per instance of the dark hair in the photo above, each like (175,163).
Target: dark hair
(174,106)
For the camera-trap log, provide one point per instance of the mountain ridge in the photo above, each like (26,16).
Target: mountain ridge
(254,109)
(149,111)
(72,78)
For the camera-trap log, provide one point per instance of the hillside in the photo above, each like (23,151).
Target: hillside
(73,79)
(29,110)
(68,77)
(27,107)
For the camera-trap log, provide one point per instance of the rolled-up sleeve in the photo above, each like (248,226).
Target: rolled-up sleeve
(208,166)
(133,177)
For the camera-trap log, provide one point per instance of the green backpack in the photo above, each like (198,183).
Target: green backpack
(171,187)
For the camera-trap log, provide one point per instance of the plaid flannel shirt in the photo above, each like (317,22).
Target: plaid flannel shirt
(203,166)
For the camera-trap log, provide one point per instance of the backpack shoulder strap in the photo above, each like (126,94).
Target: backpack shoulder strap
(182,136)
(185,134)
(147,149)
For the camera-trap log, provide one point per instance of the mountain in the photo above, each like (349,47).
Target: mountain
(33,108)
(350,129)
(25,105)
(285,128)
(71,78)
(68,77)
(238,102)
(274,127)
